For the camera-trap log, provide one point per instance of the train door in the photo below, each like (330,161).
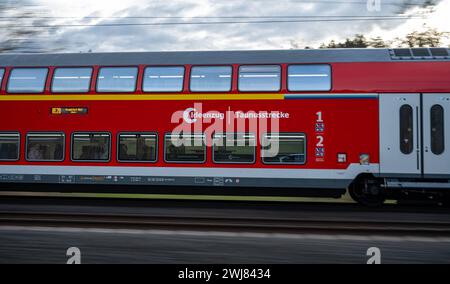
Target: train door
(400,134)
(436,134)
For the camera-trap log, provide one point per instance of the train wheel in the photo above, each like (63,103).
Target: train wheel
(367,192)
(445,201)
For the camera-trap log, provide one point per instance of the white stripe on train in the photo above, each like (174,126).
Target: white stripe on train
(350,173)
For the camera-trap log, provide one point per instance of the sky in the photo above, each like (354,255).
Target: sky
(236,36)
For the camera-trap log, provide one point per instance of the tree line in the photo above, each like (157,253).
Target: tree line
(429,37)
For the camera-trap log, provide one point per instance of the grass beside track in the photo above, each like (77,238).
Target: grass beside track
(344,199)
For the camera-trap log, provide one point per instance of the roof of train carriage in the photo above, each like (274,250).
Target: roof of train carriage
(226,57)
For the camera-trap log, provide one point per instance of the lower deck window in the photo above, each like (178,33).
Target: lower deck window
(187,148)
(137,147)
(45,147)
(9,146)
(284,148)
(234,148)
(91,147)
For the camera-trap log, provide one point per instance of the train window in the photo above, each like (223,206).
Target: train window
(117,79)
(309,77)
(140,147)
(163,79)
(210,78)
(259,78)
(9,146)
(406,129)
(45,147)
(27,80)
(187,148)
(284,148)
(234,148)
(72,80)
(437,129)
(91,146)
(2,72)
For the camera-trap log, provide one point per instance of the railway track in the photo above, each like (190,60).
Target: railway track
(230,224)
(293,218)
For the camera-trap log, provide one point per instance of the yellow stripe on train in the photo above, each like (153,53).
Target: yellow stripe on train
(139,97)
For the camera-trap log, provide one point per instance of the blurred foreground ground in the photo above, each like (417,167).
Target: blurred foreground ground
(49,245)
(32,244)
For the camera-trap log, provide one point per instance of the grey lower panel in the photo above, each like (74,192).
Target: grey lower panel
(395,175)
(417,185)
(176,181)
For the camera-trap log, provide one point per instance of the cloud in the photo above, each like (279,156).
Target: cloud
(223,37)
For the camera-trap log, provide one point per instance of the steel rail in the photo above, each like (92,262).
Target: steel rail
(229,224)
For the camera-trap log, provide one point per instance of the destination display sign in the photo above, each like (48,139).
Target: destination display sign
(69,110)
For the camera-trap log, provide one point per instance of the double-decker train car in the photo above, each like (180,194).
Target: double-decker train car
(375,122)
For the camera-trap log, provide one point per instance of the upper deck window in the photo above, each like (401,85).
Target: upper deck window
(163,79)
(309,77)
(2,71)
(27,80)
(259,78)
(211,78)
(72,80)
(117,79)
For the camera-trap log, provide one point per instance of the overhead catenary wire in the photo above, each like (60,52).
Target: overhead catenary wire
(353,2)
(205,17)
(208,22)
(356,2)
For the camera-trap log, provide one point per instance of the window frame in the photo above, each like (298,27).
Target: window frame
(231,78)
(401,128)
(9,80)
(72,142)
(116,92)
(70,67)
(305,148)
(315,64)
(46,133)
(432,137)
(205,151)
(238,83)
(162,66)
(234,133)
(3,75)
(137,133)
(18,146)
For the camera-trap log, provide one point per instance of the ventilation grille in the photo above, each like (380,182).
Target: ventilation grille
(419,53)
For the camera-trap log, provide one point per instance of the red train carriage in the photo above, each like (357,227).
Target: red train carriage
(374,121)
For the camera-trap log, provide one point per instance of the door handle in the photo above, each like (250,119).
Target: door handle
(418,159)
(417,138)
(417,129)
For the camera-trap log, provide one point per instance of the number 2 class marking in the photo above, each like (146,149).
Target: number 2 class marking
(319,141)
(320,126)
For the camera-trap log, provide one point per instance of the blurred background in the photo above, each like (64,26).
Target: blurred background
(111,25)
